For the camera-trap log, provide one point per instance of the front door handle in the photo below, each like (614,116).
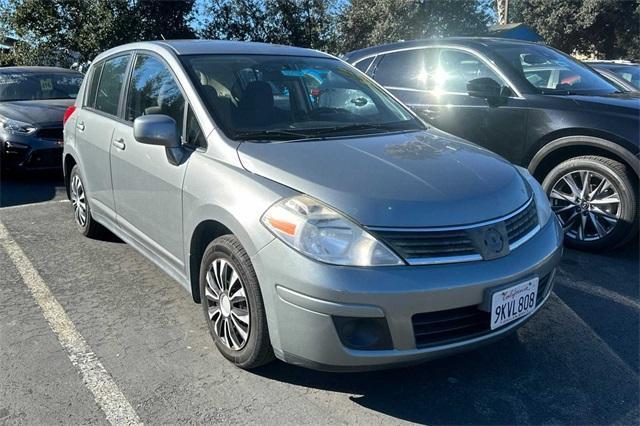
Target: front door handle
(119,143)
(80,126)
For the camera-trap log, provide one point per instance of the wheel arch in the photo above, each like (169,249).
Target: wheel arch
(565,147)
(205,232)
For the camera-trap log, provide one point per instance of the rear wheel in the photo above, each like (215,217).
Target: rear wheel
(232,304)
(81,208)
(596,201)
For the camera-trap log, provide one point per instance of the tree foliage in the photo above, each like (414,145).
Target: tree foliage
(62,31)
(607,28)
(305,23)
(366,22)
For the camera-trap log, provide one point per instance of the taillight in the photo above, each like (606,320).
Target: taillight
(68,114)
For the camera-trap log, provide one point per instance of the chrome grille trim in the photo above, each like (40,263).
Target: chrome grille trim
(454,228)
(522,218)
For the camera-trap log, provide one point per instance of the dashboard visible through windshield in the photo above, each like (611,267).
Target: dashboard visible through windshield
(260,97)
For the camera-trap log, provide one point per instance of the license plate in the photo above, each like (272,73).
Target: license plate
(513,302)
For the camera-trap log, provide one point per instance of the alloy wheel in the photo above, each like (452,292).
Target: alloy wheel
(78,201)
(587,204)
(227,304)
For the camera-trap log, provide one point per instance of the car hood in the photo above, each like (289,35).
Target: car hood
(38,113)
(618,103)
(415,179)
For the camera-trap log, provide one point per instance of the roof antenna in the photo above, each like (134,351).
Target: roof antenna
(163,37)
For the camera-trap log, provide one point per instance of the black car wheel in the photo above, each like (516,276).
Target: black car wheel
(596,201)
(232,304)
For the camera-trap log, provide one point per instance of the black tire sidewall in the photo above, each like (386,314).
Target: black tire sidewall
(84,230)
(622,185)
(223,248)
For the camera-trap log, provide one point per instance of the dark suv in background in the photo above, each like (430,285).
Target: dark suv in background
(539,108)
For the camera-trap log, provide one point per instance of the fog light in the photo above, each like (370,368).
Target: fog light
(363,333)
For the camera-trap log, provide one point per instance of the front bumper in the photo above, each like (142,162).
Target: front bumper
(30,152)
(303,297)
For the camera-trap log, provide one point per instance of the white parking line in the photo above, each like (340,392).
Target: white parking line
(600,292)
(95,377)
(42,203)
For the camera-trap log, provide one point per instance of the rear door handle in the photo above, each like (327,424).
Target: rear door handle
(119,143)
(80,126)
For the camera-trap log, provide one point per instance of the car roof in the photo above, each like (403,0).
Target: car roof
(472,42)
(203,47)
(37,70)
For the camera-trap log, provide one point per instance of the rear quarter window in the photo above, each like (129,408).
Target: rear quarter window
(94,79)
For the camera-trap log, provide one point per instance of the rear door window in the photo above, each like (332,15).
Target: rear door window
(409,69)
(110,86)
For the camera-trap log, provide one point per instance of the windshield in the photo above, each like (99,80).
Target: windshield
(260,97)
(24,86)
(551,72)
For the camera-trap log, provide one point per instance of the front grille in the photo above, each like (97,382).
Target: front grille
(448,326)
(45,158)
(53,134)
(521,224)
(412,245)
(457,244)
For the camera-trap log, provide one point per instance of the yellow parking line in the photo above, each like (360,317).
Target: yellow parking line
(106,393)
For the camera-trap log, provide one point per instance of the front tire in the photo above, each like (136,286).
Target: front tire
(232,304)
(85,223)
(596,201)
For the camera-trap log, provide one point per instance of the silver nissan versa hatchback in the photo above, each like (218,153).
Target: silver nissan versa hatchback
(313,216)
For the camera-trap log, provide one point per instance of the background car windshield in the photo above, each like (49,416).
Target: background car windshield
(284,97)
(554,73)
(39,86)
(630,73)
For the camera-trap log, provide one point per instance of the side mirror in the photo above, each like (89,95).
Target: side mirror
(156,129)
(484,87)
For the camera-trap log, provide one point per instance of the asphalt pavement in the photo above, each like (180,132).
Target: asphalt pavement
(147,345)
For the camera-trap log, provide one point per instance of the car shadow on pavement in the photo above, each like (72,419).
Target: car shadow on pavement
(33,187)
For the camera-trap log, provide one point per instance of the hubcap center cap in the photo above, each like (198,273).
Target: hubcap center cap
(225,305)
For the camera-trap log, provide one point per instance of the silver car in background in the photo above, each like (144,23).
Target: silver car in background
(313,216)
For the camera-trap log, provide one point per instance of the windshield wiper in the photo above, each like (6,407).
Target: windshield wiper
(354,127)
(281,134)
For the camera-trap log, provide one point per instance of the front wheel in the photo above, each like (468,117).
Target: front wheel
(232,304)
(596,201)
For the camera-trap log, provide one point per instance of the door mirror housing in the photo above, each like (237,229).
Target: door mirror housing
(484,87)
(156,129)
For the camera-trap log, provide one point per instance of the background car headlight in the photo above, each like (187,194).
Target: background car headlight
(542,201)
(321,233)
(16,127)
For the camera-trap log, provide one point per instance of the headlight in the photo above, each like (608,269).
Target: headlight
(542,201)
(16,127)
(324,234)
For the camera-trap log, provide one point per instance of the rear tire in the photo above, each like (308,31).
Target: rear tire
(83,220)
(232,304)
(596,200)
